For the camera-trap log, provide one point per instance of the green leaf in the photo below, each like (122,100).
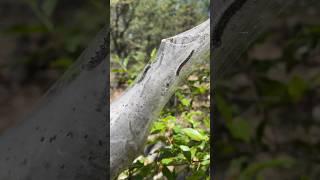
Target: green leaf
(224,109)
(201,88)
(202,145)
(48,7)
(168,153)
(194,134)
(275,91)
(124,175)
(187,155)
(206,122)
(158,127)
(167,173)
(235,166)
(153,54)
(193,151)
(167,161)
(206,157)
(180,139)
(297,88)
(184,148)
(240,129)
(255,168)
(169,119)
(205,162)
(177,129)
(125,63)
(186,102)
(190,117)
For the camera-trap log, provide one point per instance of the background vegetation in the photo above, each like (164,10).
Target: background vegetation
(39,39)
(178,146)
(267,107)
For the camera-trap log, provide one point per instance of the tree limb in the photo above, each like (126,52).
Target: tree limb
(132,114)
(65,137)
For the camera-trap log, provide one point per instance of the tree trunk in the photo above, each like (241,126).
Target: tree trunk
(132,114)
(65,137)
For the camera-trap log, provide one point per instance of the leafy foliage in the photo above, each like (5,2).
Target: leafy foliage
(184,149)
(268,107)
(52,34)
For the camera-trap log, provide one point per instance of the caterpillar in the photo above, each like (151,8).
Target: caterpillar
(183,63)
(99,56)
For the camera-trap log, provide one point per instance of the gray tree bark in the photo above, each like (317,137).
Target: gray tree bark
(65,137)
(132,114)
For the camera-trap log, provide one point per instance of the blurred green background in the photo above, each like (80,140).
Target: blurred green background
(178,145)
(39,40)
(267,114)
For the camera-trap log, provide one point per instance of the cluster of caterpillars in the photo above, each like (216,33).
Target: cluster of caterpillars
(177,72)
(99,56)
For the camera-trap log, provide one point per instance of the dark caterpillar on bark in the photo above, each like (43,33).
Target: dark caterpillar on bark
(183,63)
(99,56)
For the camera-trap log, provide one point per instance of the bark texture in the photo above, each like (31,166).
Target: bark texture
(65,137)
(132,113)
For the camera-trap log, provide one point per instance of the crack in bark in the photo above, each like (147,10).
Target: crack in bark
(224,20)
(144,72)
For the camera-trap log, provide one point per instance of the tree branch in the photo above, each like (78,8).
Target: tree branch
(65,137)
(132,114)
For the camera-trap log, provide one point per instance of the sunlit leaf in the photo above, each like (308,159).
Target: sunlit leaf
(194,134)
(167,161)
(184,148)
